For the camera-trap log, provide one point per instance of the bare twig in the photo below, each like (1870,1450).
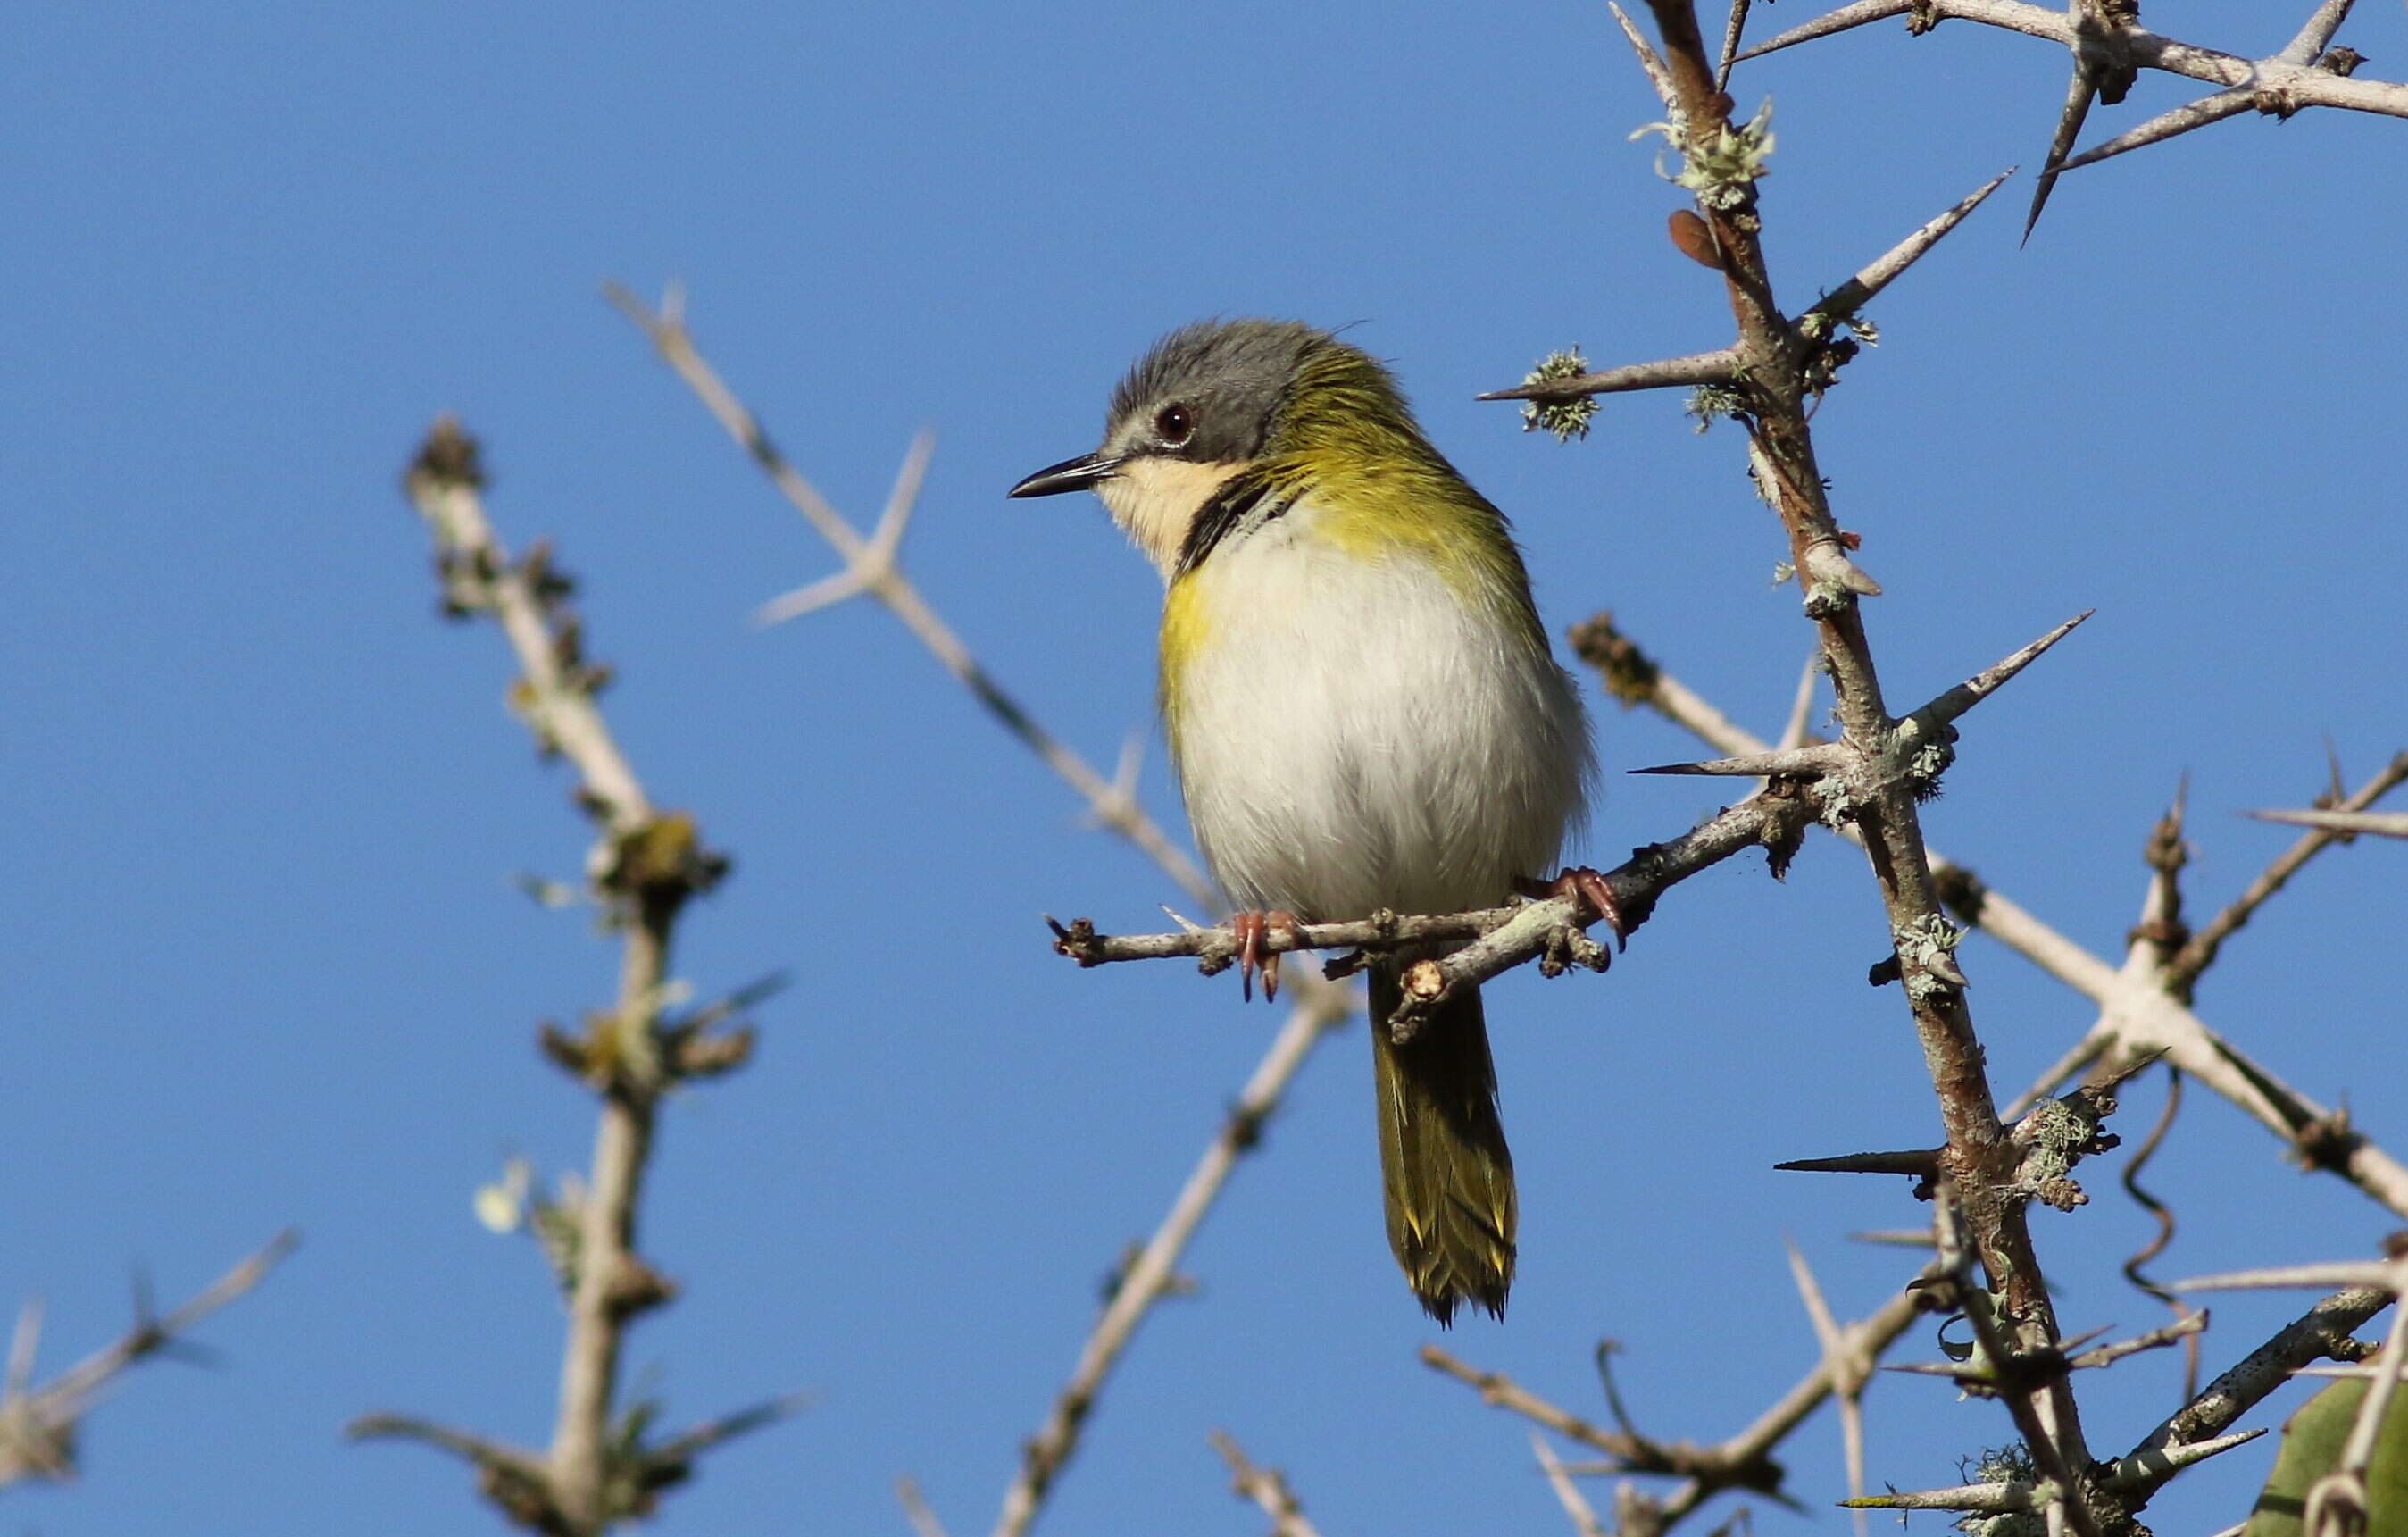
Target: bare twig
(1568,1494)
(38,1424)
(2326,827)
(1150,1274)
(2108,49)
(872,569)
(1265,1487)
(1742,1462)
(916,1509)
(2324,1331)
(2137,1018)
(1672,373)
(1847,1367)
(645,869)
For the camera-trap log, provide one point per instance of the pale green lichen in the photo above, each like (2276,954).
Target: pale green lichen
(1708,401)
(1722,172)
(2010,1464)
(1924,949)
(1926,759)
(1567,419)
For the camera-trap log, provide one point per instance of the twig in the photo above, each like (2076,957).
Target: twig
(39,1425)
(872,569)
(2139,1019)
(1848,1368)
(1843,783)
(1672,373)
(1722,162)
(647,866)
(1150,1274)
(2324,1331)
(2326,827)
(1568,1494)
(915,1508)
(1742,1462)
(2108,49)
(1266,1488)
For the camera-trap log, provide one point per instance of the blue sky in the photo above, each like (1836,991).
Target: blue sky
(264,964)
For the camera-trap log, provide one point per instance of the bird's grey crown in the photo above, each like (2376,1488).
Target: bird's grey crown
(1229,375)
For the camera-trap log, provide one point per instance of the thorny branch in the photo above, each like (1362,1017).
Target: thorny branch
(1808,785)
(2109,46)
(648,864)
(1149,1277)
(39,1425)
(1743,1461)
(2140,1019)
(1721,162)
(873,570)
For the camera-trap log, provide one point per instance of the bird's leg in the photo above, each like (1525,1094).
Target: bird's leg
(1249,929)
(1589,891)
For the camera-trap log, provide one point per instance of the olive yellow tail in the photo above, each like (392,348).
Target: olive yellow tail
(1446,1175)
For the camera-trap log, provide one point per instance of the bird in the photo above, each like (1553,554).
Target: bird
(1363,710)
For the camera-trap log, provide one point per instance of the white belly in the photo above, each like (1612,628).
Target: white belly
(1352,737)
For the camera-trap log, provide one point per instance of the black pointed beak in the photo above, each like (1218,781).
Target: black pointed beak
(1085,473)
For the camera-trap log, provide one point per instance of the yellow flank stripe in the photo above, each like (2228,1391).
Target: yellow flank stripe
(1185,630)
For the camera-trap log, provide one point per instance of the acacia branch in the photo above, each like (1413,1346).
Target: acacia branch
(1829,782)
(1722,161)
(1149,1276)
(2324,1332)
(648,865)
(2108,48)
(2140,1019)
(39,1425)
(872,569)
(2326,827)
(1744,1460)
(1266,1487)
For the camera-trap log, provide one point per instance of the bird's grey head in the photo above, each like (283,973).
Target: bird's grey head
(1207,391)
(1205,395)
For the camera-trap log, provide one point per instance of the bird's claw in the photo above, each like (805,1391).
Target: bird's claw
(1591,894)
(1249,929)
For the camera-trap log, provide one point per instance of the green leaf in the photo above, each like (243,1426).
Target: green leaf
(2311,1445)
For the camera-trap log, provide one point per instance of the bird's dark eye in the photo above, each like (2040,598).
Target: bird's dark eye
(1174,424)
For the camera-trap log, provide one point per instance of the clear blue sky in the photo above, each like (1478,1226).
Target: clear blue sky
(264,964)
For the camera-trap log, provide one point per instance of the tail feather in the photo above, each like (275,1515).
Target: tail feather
(1447,1175)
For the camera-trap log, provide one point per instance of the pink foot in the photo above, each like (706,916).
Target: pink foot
(1251,928)
(1589,891)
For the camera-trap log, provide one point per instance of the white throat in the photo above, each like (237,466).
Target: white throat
(1155,501)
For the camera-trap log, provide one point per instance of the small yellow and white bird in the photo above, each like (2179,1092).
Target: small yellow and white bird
(1362,706)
